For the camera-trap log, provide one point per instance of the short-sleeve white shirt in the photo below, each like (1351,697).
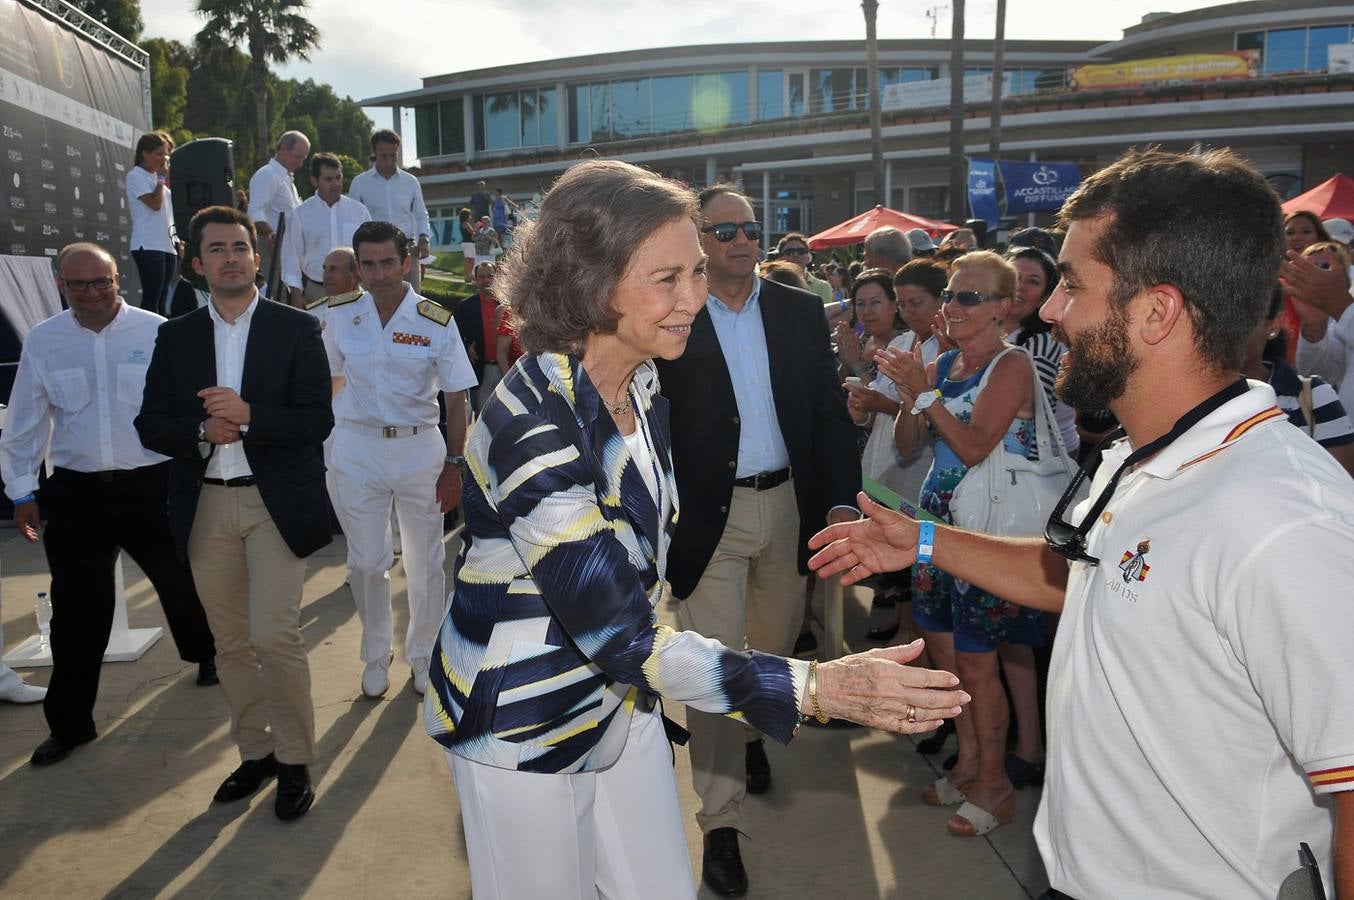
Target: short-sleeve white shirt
(272,190)
(392,374)
(152,229)
(1194,713)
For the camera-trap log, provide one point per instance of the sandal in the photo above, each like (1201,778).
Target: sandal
(1022,772)
(942,792)
(973,821)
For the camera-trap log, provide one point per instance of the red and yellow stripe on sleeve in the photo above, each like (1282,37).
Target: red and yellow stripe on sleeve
(1341,778)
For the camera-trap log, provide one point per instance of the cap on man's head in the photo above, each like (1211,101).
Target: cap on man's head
(920,241)
(1339,230)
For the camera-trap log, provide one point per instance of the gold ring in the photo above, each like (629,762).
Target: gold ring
(911,714)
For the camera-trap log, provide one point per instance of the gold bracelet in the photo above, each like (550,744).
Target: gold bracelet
(813,693)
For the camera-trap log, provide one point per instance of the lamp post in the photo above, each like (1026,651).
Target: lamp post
(998,68)
(871,8)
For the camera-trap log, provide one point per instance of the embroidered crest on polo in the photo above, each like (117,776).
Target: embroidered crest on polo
(1134,565)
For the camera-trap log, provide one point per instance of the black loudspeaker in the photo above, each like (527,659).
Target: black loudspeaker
(201,174)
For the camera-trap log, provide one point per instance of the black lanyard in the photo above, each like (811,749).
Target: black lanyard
(1062,537)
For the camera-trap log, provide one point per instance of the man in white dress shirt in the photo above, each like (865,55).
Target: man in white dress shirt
(326,220)
(393,351)
(393,195)
(272,192)
(80,380)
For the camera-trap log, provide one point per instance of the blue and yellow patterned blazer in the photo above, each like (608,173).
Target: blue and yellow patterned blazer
(551,635)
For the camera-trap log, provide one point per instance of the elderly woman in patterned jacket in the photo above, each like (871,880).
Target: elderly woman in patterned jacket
(551,661)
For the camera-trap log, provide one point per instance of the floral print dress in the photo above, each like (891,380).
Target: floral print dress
(980,620)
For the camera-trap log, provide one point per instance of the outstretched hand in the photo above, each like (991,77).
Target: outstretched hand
(882,541)
(878,689)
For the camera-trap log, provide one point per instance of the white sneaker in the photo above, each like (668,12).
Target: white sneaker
(420,667)
(30,693)
(376,677)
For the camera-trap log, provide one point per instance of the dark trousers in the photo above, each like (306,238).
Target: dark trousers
(157,271)
(89,519)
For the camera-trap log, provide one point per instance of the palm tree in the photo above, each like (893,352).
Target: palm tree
(271,31)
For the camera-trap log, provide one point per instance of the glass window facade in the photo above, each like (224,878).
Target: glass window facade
(1292,50)
(439,128)
(795,100)
(502,121)
(770,94)
(672,107)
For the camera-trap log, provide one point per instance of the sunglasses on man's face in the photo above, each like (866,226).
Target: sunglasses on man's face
(964,298)
(725,231)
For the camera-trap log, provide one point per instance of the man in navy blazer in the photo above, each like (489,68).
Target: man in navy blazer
(237,393)
(764,454)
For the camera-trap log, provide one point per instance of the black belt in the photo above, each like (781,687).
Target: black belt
(107,476)
(764,481)
(242,481)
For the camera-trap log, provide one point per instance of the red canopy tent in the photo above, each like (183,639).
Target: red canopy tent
(1331,199)
(855,230)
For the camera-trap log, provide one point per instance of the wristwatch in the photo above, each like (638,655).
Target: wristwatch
(925,400)
(454,460)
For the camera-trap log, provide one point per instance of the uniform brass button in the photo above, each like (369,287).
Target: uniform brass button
(1107,517)
(736,421)
(723,509)
(733,464)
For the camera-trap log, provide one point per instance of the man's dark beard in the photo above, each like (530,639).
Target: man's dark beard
(1095,372)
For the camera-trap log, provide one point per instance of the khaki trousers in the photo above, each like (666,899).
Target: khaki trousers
(250,584)
(752,595)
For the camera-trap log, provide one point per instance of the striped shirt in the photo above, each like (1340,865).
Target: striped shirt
(1330,426)
(1047,353)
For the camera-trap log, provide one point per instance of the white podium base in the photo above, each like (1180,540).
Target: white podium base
(123,646)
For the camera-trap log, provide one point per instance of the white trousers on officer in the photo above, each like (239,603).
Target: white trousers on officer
(616,833)
(370,473)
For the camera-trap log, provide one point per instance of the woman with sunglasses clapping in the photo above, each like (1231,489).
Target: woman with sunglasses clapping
(967,418)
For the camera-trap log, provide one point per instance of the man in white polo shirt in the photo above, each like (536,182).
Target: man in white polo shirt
(1197,731)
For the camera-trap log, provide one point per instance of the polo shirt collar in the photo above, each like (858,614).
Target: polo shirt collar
(1219,430)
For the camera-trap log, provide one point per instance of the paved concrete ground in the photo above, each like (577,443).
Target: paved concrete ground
(130,815)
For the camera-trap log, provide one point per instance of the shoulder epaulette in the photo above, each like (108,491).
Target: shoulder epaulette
(320,301)
(430,310)
(340,299)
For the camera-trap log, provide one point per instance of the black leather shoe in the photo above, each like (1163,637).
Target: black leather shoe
(294,794)
(759,767)
(206,673)
(806,644)
(246,779)
(722,865)
(55,749)
(937,739)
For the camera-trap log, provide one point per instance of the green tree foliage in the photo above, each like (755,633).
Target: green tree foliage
(123,16)
(204,92)
(170,63)
(271,31)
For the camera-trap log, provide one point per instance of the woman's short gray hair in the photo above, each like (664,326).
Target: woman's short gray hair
(563,268)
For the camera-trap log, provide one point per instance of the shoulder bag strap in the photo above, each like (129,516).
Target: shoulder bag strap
(1305,401)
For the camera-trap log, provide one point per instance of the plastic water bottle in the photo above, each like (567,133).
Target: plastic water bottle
(43,611)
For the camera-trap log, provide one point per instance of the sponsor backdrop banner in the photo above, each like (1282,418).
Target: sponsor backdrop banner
(1036,186)
(1165,70)
(982,191)
(70,116)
